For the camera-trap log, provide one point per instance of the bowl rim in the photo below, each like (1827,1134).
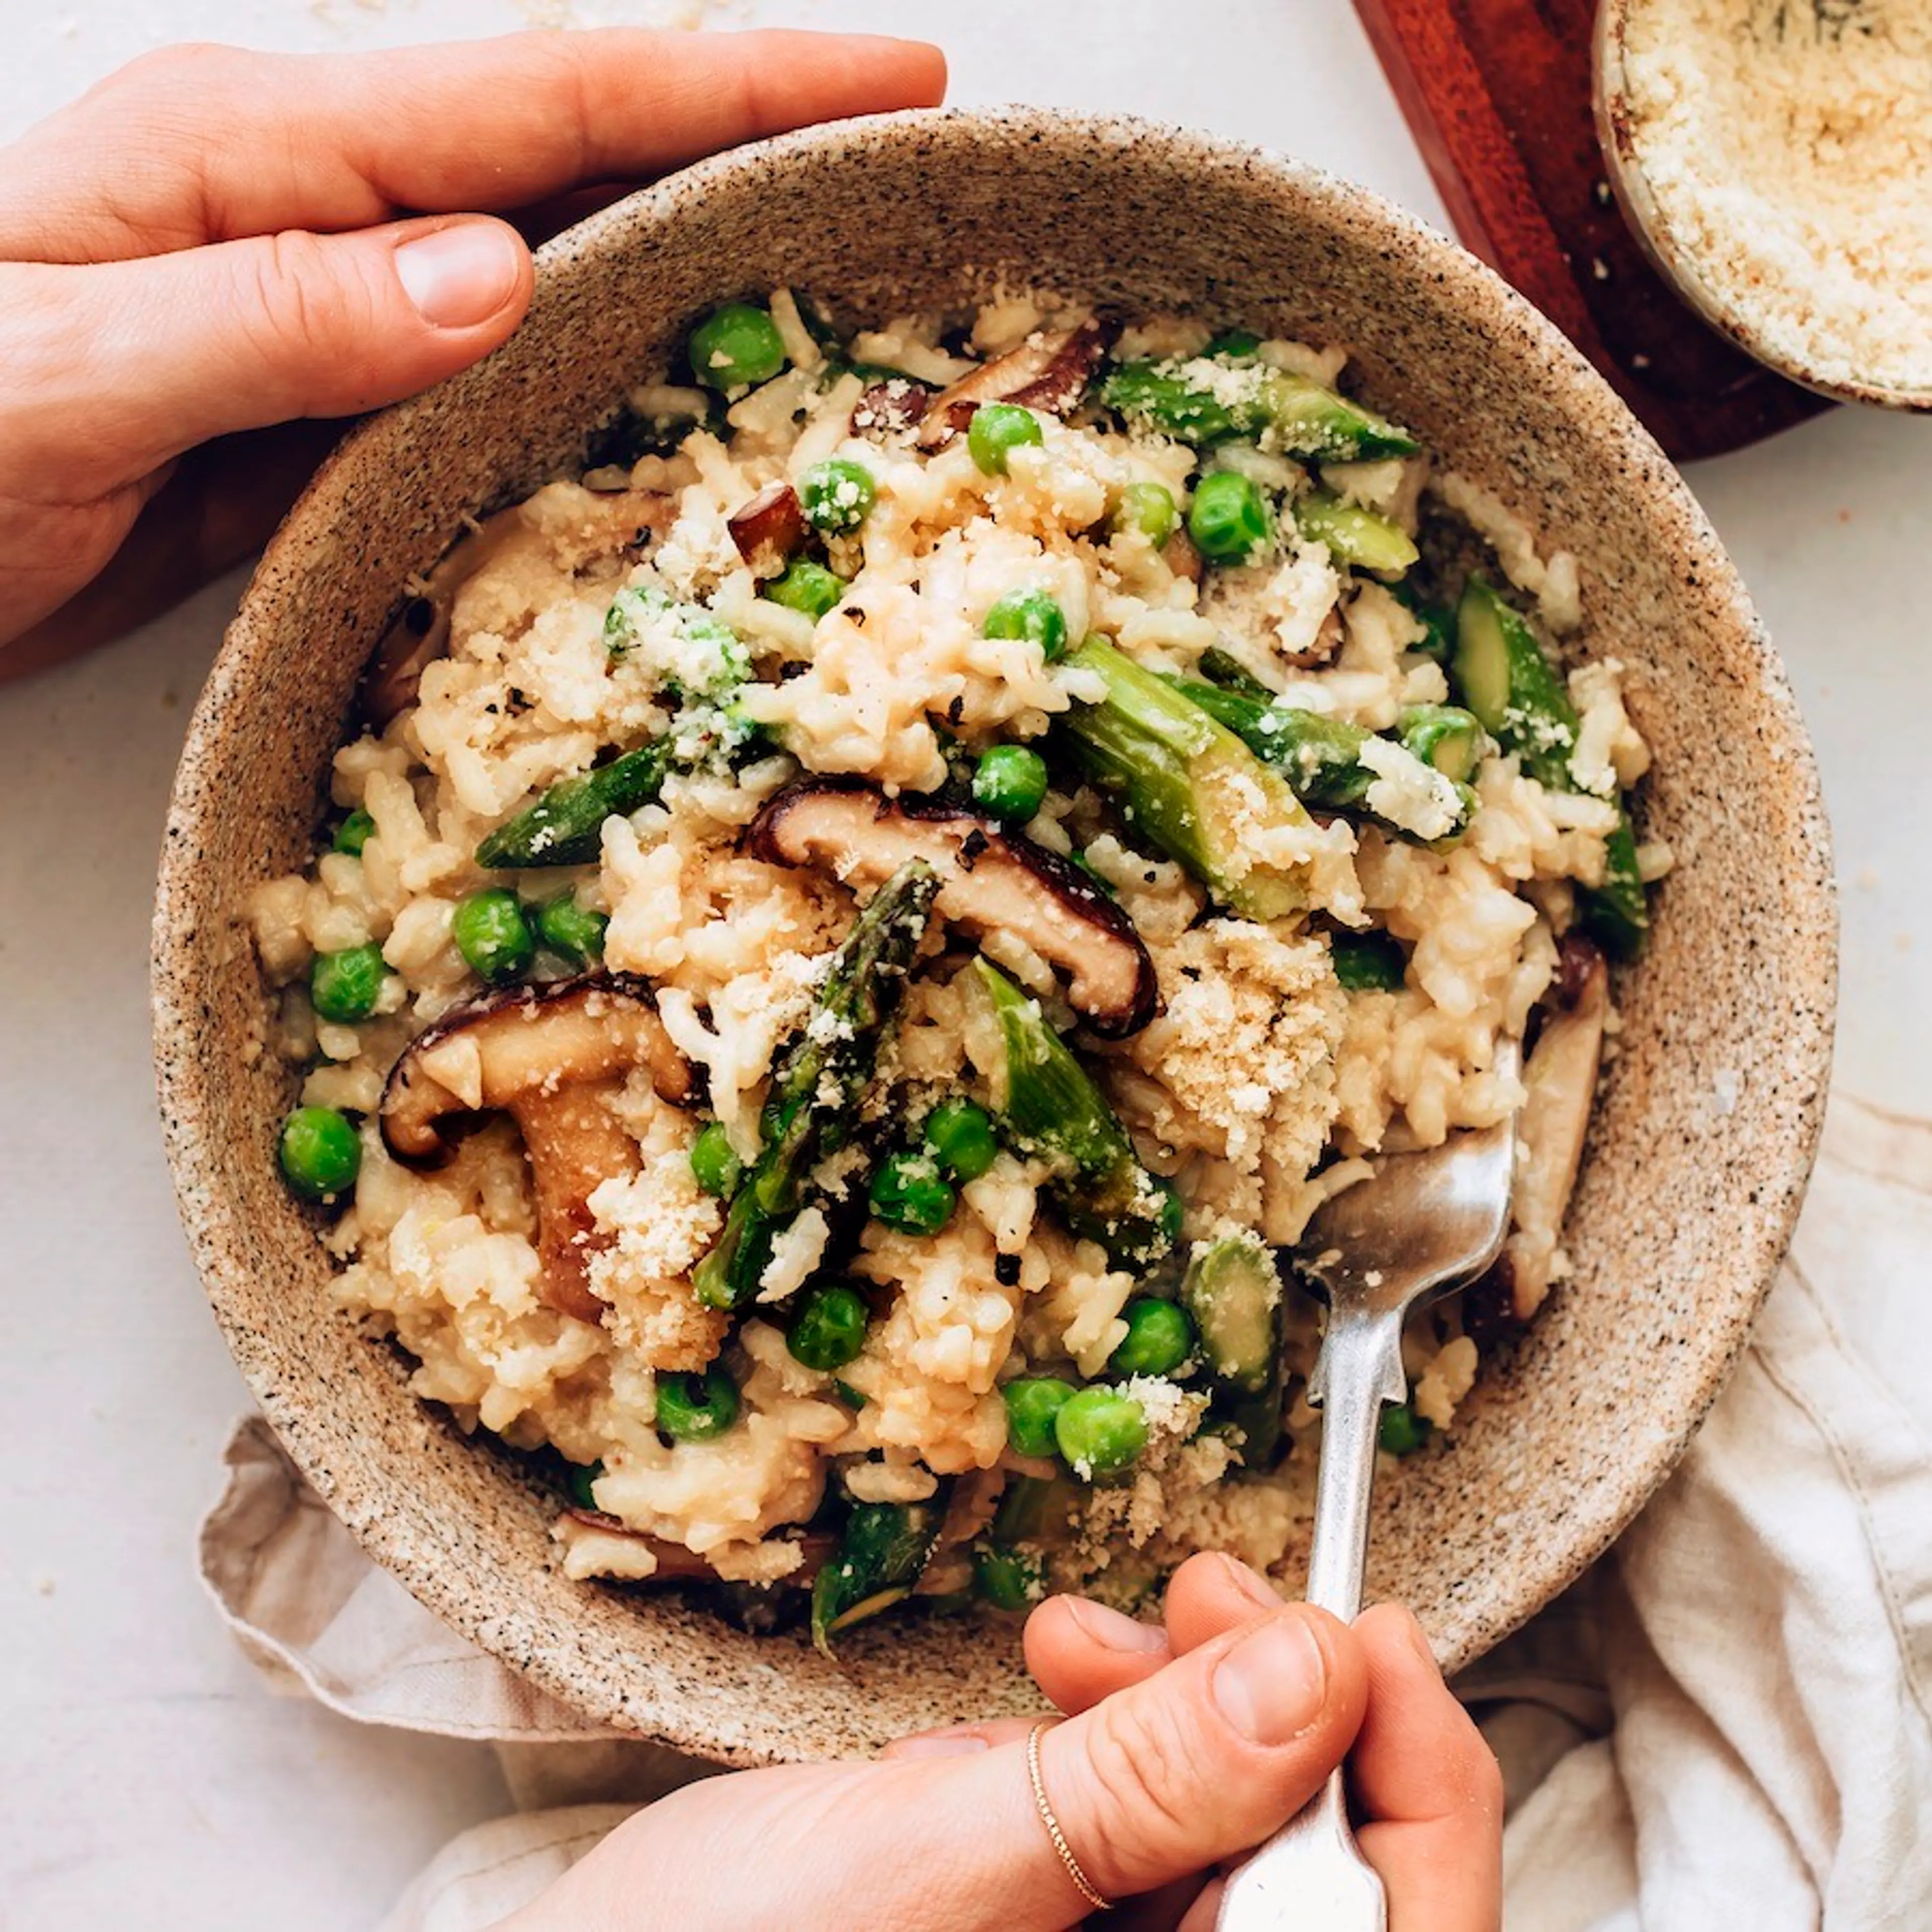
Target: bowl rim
(214,1232)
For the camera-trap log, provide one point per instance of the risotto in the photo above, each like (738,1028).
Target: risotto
(860,926)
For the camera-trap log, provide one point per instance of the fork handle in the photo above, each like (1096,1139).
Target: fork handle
(1311,1873)
(1360,1363)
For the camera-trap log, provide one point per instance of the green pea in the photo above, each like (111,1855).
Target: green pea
(1228,518)
(1148,508)
(1159,1338)
(908,1193)
(574,933)
(735,346)
(837,495)
(1368,962)
(1032,1403)
(1099,1432)
(806,587)
(1032,615)
(829,1327)
(1009,1579)
(344,986)
(998,429)
(851,1397)
(1402,1432)
(1234,345)
(492,934)
(320,1153)
(960,1134)
(694,1408)
(583,1476)
(354,832)
(1010,781)
(715,1164)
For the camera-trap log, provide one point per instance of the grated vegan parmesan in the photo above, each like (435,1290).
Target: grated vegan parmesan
(1787,145)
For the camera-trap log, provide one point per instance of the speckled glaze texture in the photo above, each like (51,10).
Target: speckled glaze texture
(1703,1143)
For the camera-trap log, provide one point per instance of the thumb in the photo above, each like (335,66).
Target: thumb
(1194,1765)
(141,360)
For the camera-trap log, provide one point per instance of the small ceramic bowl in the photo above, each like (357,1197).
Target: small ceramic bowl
(1704,1137)
(1676,253)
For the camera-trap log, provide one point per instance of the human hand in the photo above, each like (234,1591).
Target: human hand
(212,242)
(1184,1747)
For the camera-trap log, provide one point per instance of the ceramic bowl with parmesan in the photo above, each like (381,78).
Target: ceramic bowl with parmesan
(783,899)
(1772,158)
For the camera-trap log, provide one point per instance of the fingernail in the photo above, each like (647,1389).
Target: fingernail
(1112,1630)
(1418,1640)
(459,276)
(1270,1686)
(939,1743)
(1251,1583)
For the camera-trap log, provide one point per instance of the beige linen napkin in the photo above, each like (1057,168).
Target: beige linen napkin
(1729,1723)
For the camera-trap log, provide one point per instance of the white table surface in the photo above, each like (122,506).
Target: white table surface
(147,1776)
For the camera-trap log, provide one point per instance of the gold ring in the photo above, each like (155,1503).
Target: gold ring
(1081,1882)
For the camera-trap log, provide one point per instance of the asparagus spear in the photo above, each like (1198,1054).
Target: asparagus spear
(1444,736)
(564,827)
(1048,1107)
(821,1082)
(1295,412)
(1233,1292)
(1231,674)
(1354,535)
(1513,689)
(1188,782)
(881,1551)
(1312,421)
(1150,396)
(1368,962)
(1616,914)
(1321,756)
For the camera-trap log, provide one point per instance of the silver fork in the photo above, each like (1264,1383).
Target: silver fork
(1423,1224)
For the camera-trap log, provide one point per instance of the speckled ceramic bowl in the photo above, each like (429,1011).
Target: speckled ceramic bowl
(1700,1149)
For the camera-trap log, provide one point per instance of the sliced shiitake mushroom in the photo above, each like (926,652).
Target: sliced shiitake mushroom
(1559,1081)
(677,1565)
(1582,978)
(993,880)
(1182,555)
(768,528)
(1049,372)
(891,404)
(418,634)
(554,1058)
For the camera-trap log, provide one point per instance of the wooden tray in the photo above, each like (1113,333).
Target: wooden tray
(1498,94)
